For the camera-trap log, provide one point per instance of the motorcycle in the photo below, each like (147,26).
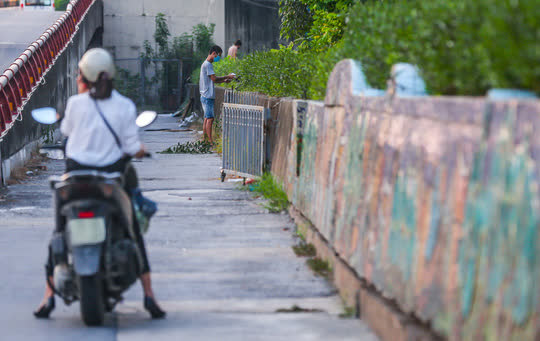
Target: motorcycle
(93,249)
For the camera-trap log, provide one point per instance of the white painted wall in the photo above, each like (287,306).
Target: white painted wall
(128,23)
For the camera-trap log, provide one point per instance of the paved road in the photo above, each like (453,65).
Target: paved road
(222,265)
(19,28)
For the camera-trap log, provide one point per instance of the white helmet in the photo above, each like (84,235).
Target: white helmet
(94,62)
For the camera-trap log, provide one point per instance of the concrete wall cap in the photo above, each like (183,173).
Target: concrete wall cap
(508,94)
(348,79)
(406,80)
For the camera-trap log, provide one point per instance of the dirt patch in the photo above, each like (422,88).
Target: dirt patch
(32,167)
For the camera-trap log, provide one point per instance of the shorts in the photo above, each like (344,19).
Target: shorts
(208,107)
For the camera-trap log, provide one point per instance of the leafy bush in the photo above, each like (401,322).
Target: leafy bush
(279,72)
(61,5)
(271,190)
(462,47)
(296,20)
(314,24)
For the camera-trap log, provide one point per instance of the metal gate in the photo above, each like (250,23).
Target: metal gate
(243,140)
(151,83)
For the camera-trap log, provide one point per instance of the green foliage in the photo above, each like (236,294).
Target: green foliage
(348,312)
(296,20)
(197,147)
(191,48)
(195,75)
(202,40)
(271,190)
(300,234)
(320,267)
(283,72)
(279,72)
(61,5)
(462,47)
(128,84)
(305,250)
(162,34)
(317,24)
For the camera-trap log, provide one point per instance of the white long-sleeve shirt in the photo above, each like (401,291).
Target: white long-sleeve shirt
(90,142)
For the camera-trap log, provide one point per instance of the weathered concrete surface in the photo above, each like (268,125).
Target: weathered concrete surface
(433,201)
(19,28)
(221,264)
(129,23)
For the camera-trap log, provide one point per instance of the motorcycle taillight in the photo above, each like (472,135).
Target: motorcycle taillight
(86,214)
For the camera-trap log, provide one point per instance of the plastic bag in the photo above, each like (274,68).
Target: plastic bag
(144,209)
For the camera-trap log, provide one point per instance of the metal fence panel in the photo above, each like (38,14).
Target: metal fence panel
(243,139)
(241,97)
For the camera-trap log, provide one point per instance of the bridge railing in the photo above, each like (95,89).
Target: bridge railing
(27,72)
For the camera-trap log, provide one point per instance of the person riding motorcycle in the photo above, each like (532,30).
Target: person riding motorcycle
(102,135)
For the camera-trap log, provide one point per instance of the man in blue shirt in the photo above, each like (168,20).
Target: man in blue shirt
(206,86)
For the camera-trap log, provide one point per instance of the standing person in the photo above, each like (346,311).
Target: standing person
(206,86)
(234,49)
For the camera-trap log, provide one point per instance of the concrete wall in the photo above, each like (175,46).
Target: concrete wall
(255,22)
(60,83)
(129,23)
(433,203)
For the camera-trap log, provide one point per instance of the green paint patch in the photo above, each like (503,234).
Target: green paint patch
(297,309)
(273,192)
(319,267)
(197,147)
(305,250)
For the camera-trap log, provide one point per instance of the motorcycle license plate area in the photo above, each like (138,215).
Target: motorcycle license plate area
(87,231)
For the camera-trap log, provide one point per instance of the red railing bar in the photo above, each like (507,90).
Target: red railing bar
(28,69)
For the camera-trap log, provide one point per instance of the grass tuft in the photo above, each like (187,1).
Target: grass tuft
(319,267)
(271,190)
(305,250)
(348,312)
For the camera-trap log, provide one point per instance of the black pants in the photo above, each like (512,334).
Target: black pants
(130,182)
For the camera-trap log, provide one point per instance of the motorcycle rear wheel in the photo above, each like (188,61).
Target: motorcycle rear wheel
(92,303)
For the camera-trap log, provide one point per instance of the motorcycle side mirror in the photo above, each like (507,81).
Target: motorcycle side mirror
(146,118)
(45,115)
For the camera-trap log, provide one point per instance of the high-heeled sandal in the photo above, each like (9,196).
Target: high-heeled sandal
(151,306)
(45,310)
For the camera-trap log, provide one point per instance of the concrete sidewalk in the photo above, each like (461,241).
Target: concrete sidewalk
(222,265)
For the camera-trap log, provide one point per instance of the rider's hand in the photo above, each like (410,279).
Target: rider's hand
(140,153)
